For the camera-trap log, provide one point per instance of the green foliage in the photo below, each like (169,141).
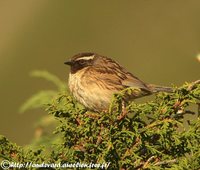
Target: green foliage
(151,135)
(43,97)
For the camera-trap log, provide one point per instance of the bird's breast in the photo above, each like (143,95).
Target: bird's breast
(90,91)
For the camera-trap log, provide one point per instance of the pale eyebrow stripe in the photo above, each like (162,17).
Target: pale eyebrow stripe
(86,58)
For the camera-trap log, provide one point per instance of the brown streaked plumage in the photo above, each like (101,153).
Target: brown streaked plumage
(94,78)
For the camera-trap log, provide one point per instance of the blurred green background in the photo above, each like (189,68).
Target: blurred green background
(157,41)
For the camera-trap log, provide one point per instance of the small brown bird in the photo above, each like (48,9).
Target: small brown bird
(94,78)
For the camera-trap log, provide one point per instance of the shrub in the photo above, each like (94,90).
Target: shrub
(151,135)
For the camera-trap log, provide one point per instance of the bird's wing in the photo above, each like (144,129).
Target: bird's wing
(118,78)
(132,81)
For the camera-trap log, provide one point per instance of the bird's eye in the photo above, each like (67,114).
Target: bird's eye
(82,62)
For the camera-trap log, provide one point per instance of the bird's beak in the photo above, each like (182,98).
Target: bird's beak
(68,62)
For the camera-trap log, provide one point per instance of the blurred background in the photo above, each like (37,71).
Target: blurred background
(157,41)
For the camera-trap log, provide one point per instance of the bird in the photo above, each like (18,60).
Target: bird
(94,79)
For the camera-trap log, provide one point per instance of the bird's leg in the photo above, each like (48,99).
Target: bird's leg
(124,111)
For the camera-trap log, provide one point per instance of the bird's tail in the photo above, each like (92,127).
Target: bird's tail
(155,88)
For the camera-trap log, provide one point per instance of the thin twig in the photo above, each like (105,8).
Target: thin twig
(166,162)
(156,123)
(198,110)
(192,85)
(147,162)
(181,114)
(128,151)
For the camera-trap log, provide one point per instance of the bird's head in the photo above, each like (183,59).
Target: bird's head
(81,60)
